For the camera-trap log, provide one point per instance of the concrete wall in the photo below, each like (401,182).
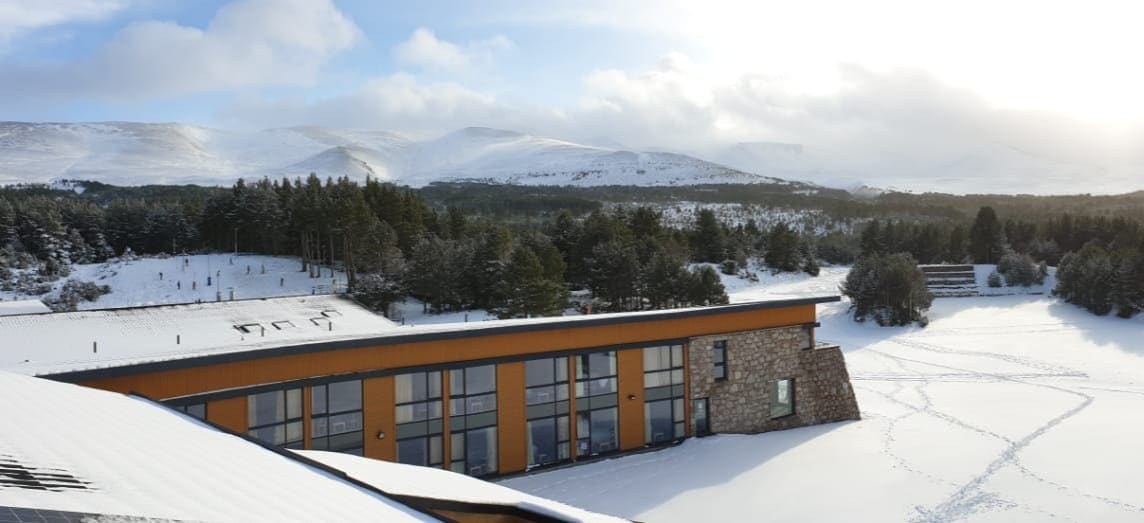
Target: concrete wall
(755,360)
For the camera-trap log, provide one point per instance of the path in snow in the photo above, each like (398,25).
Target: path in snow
(1005,408)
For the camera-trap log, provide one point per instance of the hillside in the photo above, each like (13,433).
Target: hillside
(128,153)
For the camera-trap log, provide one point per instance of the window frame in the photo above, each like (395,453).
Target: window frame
(427,434)
(672,392)
(719,347)
(464,422)
(790,393)
(584,393)
(327,415)
(186,409)
(556,408)
(285,422)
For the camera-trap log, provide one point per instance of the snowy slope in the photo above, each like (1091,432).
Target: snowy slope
(1011,408)
(126,153)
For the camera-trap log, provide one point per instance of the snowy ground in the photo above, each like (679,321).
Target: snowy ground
(1003,408)
(136,282)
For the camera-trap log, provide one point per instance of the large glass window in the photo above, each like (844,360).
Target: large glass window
(276,417)
(719,360)
(547,410)
(473,420)
(596,416)
(419,418)
(336,417)
(663,394)
(782,398)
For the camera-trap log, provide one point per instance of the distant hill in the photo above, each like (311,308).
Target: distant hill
(128,153)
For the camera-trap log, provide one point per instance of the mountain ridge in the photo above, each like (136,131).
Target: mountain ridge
(140,153)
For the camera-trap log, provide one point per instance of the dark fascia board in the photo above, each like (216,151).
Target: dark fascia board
(478,330)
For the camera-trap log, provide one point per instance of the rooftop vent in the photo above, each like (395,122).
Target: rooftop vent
(283,324)
(250,328)
(331,313)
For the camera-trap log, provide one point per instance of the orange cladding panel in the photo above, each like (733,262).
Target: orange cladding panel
(378,397)
(630,376)
(271,369)
(511,417)
(230,413)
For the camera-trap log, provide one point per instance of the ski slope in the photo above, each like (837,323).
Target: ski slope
(1011,408)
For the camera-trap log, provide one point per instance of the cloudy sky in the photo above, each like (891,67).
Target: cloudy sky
(881,88)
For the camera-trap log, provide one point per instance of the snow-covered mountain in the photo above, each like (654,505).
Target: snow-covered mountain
(127,153)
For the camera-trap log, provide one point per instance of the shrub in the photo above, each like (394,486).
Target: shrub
(994,279)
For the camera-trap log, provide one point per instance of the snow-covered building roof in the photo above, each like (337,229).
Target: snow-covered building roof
(89,341)
(10,308)
(46,343)
(70,448)
(401,480)
(87,452)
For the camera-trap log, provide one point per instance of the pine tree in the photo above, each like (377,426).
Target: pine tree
(986,237)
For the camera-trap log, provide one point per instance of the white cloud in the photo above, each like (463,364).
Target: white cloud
(423,49)
(18,17)
(248,43)
(397,102)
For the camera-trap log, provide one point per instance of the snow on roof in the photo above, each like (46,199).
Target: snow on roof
(427,482)
(49,343)
(92,451)
(9,308)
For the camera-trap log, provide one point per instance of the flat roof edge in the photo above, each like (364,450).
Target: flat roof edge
(414,337)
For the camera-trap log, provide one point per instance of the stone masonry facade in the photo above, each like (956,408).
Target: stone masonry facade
(755,360)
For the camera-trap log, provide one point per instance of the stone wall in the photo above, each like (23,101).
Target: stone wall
(755,359)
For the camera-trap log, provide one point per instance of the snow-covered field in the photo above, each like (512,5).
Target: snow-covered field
(136,282)
(1003,408)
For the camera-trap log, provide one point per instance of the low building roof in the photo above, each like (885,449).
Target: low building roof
(70,448)
(75,454)
(10,308)
(90,344)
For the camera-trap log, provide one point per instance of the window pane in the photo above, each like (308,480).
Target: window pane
(601,364)
(677,377)
(677,355)
(457,382)
(412,451)
(537,395)
(198,410)
(274,434)
(539,372)
(604,430)
(562,432)
(342,423)
(542,441)
(293,403)
(481,447)
(433,381)
(404,388)
(658,421)
(319,427)
(345,396)
(265,407)
(719,372)
(457,446)
(479,380)
(699,422)
(717,355)
(294,431)
(583,425)
(782,398)
(483,403)
(656,358)
(561,368)
(435,450)
(318,399)
(581,366)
